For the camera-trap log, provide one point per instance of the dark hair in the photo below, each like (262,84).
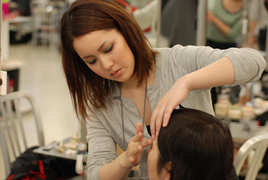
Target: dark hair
(86,16)
(198,145)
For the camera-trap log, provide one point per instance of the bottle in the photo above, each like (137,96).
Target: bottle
(5,7)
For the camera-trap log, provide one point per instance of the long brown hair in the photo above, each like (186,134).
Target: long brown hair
(86,16)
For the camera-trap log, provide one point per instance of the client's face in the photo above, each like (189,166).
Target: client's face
(152,159)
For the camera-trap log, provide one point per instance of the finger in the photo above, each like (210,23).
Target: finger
(146,143)
(139,128)
(137,137)
(136,150)
(132,159)
(152,122)
(156,120)
(159,121)
(167,115)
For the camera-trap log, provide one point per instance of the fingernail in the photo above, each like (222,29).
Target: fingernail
(164,124)
(152,136)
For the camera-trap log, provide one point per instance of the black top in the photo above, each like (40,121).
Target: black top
(148,129)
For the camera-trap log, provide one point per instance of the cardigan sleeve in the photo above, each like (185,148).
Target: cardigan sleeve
(248,63)
(101,147)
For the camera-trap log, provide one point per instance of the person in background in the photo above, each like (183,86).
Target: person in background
(180,30)
(178,22)
(258,22)
(224,23)
(116,79)
(194,145)
(224,26)
(146,17)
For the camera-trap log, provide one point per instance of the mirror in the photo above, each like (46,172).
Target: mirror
(224,23)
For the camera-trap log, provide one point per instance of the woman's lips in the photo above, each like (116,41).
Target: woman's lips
(116,73)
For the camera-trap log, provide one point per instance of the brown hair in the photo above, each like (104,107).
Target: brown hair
(86,16)
(198,145)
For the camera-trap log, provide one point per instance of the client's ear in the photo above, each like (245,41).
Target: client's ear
(168,167)
(167,176)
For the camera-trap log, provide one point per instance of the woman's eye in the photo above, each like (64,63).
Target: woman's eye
(109,48)
(92,62)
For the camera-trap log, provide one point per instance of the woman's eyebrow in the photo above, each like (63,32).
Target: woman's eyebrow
(98,50)
(86,57)
(102,45)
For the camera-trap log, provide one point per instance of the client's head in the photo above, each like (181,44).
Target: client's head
(194,146)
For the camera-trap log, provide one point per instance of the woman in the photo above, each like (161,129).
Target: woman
(116,80)
(224,26)
(224,23)
(194,145)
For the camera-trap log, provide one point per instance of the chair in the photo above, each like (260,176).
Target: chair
(254,148)
(19,127)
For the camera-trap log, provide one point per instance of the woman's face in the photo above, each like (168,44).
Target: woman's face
(106,53)
(153,153)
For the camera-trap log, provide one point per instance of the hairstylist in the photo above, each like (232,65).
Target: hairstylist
(117,80)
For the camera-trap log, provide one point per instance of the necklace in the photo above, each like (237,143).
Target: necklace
(143,118)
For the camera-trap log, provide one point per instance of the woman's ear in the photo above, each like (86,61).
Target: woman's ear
(168,168)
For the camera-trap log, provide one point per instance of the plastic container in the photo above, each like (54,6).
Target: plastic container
(5,8)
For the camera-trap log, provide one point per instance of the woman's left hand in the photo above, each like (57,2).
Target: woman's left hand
(161,115)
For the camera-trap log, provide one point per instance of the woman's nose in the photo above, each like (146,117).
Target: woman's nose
(107,63)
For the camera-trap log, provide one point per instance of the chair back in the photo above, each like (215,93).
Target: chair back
(256,148)
(20,126)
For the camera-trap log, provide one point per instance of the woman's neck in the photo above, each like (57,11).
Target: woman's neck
(132,83)
(233,6)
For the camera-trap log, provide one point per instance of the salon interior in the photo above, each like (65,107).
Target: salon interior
(31,62)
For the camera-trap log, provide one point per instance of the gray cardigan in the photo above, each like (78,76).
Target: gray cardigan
(104,129)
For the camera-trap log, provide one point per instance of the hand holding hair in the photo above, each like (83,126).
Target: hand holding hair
(161,115)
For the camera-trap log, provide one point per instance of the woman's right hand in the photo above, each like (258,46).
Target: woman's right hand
(121,166)
(210,16)
(135,147)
